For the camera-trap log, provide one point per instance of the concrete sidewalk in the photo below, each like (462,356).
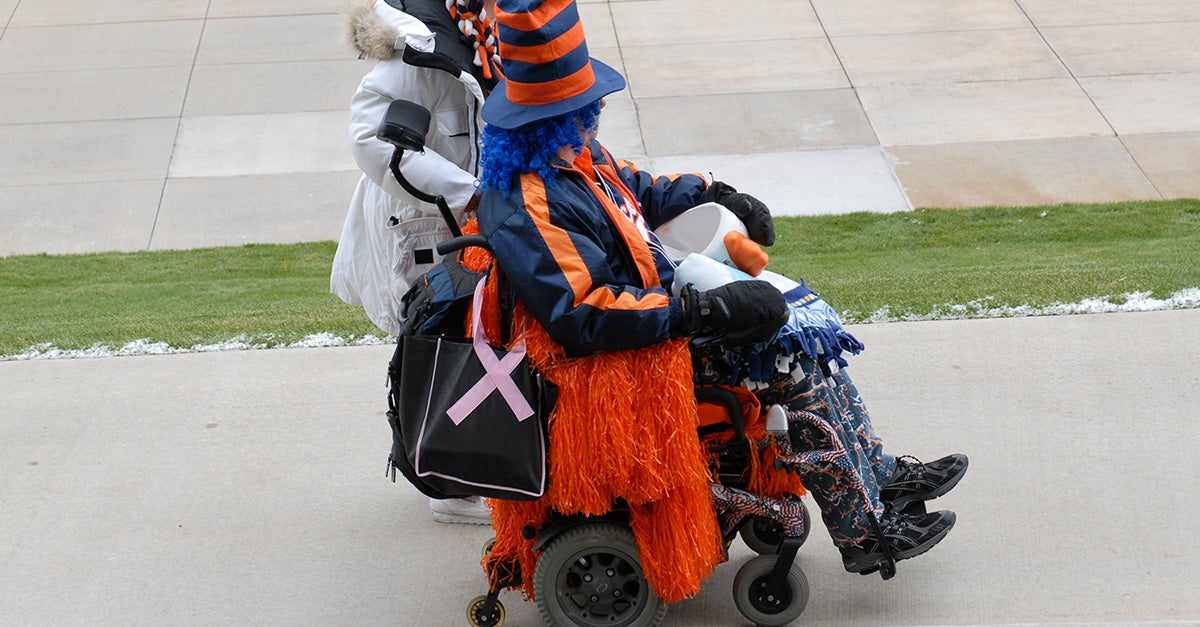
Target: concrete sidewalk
(248,488)
(130,125)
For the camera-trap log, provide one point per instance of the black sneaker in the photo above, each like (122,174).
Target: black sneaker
(907,535)
(915,481)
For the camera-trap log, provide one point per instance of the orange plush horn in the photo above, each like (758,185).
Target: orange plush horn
(745,254)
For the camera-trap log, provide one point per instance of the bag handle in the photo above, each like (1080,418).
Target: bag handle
(497,371)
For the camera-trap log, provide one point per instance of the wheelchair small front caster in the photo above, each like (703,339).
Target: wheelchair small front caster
(478,618)
(487,546)
(758,604)
(763,534)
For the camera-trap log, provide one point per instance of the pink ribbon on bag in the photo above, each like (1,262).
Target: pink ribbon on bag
(497,372)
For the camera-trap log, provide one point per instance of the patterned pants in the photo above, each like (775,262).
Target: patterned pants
(843,490)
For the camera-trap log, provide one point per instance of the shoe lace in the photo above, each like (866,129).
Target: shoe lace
(894,521)
(913,465)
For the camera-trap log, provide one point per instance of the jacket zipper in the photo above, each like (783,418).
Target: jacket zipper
(626,254)
(475,136)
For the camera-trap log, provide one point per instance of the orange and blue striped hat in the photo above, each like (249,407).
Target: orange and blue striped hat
(547,70)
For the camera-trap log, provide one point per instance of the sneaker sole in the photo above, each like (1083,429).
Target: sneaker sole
(904,501)
(461,520)
(924,548)
(870,566)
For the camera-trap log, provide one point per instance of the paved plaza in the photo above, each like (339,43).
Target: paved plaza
(247,488)
(130,125)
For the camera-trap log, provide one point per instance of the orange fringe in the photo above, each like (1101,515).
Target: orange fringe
(679,541)
(508,518)
(608,444)
(767,481)
(762,478)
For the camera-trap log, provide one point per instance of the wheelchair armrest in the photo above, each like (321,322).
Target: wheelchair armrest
(730,401)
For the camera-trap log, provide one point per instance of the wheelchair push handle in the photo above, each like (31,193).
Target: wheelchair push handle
(404,126)
(460,242)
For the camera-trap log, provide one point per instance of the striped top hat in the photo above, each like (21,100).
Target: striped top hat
(547,70)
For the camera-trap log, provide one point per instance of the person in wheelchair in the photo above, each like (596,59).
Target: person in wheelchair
(573,230)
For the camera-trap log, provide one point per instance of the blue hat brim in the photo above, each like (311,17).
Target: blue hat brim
(499,111)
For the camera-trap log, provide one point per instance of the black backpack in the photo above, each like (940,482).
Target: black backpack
(436,304)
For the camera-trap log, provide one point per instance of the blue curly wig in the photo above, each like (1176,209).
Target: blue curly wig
(530,147)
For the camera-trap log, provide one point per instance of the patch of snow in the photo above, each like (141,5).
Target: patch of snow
(145,346)
(1134,301)
(1188,298)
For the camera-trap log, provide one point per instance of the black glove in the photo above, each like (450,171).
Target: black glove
(750,210)
(744,312)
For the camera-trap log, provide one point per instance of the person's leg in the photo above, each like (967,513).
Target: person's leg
(846,490)
(832,477)
(858,421)
(864,534)
(837,401)
(899,481)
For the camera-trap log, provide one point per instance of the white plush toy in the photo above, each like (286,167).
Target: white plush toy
(712,249)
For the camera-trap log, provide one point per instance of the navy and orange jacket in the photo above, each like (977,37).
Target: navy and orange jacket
(580,267)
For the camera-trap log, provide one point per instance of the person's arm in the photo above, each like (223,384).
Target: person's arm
(428,171)
(662,197)
(563,277)
(665,197)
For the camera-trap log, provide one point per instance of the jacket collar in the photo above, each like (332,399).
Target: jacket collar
(421,29)
(593,153)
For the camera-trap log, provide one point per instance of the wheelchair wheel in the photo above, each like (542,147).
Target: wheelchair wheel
(763,535)
(590,575)
(751,598)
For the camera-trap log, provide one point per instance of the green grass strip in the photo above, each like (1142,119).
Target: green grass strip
(274,293)
(912,263)
(916,262)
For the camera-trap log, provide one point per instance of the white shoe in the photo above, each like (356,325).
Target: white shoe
(469,511)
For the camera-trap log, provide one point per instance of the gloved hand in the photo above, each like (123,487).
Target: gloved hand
(744,312)
(750,210)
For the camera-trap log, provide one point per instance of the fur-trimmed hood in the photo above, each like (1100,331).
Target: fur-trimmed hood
(377,31)
(423,32)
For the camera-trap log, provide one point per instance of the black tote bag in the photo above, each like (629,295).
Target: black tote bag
(471,417)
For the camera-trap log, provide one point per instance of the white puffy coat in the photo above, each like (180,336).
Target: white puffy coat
(388,233)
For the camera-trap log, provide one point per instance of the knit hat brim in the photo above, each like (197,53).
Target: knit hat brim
(500,111)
